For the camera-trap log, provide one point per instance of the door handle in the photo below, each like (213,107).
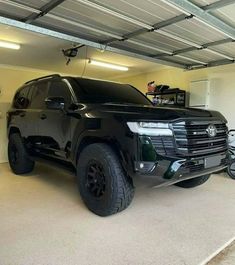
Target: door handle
(43,116)
(22,114)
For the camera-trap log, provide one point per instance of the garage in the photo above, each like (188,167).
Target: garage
(117,132)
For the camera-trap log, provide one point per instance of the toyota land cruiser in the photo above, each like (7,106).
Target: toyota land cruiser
(110,133)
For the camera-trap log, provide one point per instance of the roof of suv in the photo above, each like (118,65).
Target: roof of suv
(59,76)
(43,77)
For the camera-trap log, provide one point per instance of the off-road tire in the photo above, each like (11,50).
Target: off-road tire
(20,163)
(118,192)
(191,183)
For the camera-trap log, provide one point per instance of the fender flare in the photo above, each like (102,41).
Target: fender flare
(86,139)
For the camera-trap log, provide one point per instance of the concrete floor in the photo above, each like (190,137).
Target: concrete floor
(43,221)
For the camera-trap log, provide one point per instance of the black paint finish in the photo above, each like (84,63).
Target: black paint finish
(96,111)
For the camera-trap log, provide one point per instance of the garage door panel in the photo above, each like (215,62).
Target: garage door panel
(92,17)
(11,11)
(203,55)
(195,31)
(227,14)
(177,60)
(134,48)
(147,11)
(70,29)
(33,3)
(228,48)
(159,40)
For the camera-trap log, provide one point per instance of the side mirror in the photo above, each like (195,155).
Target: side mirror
(56,103)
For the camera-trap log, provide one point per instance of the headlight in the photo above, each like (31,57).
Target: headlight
(159,125)
(150,128)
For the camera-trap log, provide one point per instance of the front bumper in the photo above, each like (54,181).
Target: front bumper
(167,170)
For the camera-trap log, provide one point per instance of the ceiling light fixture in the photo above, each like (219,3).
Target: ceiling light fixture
(108,65)
(9,45)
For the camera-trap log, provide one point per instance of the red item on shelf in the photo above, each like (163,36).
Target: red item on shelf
(151,86)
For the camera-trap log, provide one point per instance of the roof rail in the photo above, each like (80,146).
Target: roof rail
(39,78)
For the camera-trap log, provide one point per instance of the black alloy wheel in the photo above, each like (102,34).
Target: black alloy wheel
(96,179)
(103,184)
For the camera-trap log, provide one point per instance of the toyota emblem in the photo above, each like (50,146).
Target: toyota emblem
(211,130)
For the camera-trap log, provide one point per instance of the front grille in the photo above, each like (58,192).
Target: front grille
(192,139)
(164,145)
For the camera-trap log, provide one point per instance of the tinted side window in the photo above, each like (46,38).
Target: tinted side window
(21,100)
(60,89)
(39,94)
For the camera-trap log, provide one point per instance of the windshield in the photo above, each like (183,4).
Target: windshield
(95,91)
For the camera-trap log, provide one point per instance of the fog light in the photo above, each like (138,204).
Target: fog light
(144,167)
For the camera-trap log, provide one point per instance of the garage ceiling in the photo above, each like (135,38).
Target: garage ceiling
(43,52)
(187,34)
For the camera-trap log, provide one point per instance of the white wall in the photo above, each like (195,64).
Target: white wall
(222,95)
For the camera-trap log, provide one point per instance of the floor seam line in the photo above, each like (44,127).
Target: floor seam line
(218,251)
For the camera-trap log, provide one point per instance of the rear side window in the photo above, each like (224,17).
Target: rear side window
(39,94)
(60,89)
(21,100)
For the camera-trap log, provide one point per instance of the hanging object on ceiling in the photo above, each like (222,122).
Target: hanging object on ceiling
(71,52)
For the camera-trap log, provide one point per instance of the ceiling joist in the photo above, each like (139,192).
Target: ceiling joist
(211,64)
(190,49)
(43,10)
(217,5)
(156,27)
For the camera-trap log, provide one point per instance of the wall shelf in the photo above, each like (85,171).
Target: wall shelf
(170,97)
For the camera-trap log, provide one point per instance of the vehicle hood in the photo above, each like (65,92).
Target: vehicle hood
(145,112)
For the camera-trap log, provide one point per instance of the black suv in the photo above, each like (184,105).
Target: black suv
(109,133)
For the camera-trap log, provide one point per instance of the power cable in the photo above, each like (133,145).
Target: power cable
(85,65)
